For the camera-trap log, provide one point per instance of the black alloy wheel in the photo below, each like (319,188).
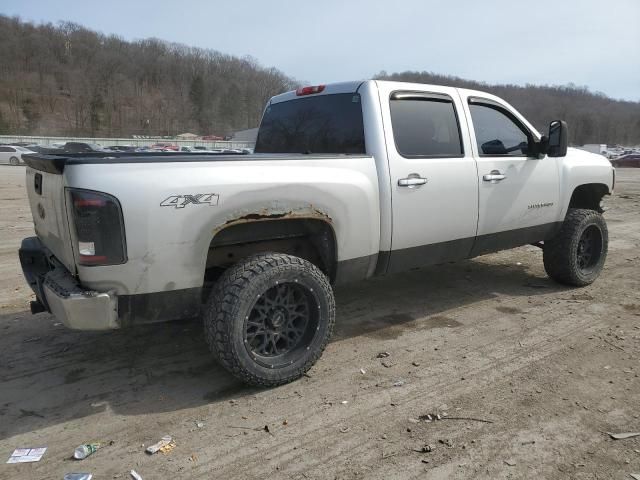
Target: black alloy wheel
(589,248)
(281,323)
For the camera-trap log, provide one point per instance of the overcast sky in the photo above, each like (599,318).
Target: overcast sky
(588,42)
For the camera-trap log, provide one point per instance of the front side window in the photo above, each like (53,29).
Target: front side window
(496,132)
(319,124)
(425,126)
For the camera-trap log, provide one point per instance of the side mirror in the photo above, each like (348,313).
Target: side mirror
(558,139)
(494,147)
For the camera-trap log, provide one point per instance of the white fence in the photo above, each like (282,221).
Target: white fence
(138,142)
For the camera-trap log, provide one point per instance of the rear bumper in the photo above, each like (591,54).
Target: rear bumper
(61,294)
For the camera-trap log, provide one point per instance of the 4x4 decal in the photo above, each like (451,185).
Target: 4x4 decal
(181,201)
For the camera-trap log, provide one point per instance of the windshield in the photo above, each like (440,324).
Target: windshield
(321,124)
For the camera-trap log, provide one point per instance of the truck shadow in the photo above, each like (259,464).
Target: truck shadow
(50,375)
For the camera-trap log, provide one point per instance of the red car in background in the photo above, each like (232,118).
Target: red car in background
(631,160)
(164,146)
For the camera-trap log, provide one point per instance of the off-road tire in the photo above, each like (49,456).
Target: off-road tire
(15,161)
(561,253)
(232,300)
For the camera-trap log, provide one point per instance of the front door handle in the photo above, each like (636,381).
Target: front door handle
(494,176)
(412,181)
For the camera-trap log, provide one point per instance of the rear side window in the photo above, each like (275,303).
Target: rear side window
(496,132)
(319,124)
(425,125)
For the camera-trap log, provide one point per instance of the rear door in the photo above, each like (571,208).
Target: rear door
(434,183)
(518,191)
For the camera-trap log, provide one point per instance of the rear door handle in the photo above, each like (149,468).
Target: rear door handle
(412,181)
(494,176)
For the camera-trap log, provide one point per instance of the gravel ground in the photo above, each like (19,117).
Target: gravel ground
(552,368)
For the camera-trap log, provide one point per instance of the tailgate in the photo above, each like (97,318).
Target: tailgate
(47,201)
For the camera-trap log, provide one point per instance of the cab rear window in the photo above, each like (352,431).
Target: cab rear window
(320,124)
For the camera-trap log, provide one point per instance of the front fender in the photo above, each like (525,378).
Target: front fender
(583,168)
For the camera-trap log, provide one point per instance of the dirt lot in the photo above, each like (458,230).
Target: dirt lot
(552,368)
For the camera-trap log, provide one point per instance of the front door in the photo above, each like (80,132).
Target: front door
(518,192)
(434,183)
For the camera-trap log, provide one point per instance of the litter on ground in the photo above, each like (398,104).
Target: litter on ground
(622,436)
(78,476)
(135,475)
(166,440)
(27,455)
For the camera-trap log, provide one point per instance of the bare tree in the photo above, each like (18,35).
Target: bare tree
(69,80)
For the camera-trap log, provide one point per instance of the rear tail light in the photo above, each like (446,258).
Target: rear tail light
(309,90)
(99,228)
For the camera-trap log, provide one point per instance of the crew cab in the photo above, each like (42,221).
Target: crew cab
(348,181)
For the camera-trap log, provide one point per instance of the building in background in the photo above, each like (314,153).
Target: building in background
(187,136)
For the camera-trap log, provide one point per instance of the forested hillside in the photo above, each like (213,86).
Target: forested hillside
(592,117)
(68,80)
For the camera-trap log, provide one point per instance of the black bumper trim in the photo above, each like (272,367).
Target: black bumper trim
(35,265)
(159,306)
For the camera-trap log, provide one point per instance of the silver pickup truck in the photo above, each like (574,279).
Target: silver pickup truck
(348,181)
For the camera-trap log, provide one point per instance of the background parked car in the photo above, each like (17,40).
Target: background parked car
(81,147)
(12,154)
(122,148)
(631,160)
(46,150)
(197,150)
(164,146)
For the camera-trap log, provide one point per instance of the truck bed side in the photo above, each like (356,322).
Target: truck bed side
(168,244)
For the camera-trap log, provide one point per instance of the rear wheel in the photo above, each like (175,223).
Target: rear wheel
(14,161)
(269,318)
(576,255)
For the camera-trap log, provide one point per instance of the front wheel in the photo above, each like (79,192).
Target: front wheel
(576,255)
(14,161)
(269,318)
